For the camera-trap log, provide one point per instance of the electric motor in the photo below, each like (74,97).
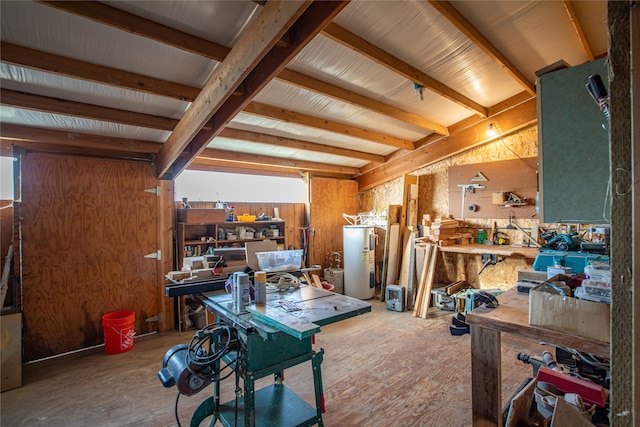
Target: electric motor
(189,379)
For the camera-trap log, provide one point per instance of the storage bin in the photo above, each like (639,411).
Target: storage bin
(280,260)
(246,218)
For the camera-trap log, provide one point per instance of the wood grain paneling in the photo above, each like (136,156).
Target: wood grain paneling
(330,198)
(87,224)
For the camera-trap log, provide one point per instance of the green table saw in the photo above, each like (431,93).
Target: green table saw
(268,339)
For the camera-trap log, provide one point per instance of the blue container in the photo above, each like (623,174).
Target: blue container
(577,261)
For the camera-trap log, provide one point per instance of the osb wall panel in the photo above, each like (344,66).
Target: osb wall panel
(292,213)
(433,199)
(87,224)
(517,176)
(378,197)
(330,198)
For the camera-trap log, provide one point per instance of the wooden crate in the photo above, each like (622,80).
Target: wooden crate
(199,216)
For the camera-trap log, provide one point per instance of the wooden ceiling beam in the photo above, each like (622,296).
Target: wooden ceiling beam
(43,61)
(264,60)
(509,121)
(68,67)
(575,22)
(221,166)
(461,23)
(255,159)
(274,20)
(289,116)
(17,134)
(125,21)
(315,85)
(352,41)
(88,111)
(146,28)
(280,141)
(112,115)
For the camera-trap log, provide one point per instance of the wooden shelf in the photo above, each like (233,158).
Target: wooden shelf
(191,234)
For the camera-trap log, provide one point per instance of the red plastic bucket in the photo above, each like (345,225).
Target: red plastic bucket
(118,331)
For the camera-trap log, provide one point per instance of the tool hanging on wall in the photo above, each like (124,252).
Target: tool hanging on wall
(471,188)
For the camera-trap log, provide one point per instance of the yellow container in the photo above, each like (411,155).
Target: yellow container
(246,218)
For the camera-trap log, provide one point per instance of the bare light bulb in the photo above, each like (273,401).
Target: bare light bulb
(491,130)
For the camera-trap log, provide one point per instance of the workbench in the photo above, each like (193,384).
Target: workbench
(511,316)
(275,339)
(502,250)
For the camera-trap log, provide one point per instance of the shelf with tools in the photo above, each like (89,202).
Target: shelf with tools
(204,238)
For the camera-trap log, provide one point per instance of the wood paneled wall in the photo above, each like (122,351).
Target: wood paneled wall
(86,226)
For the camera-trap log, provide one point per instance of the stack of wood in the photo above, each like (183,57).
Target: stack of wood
(425,281)
(444,232)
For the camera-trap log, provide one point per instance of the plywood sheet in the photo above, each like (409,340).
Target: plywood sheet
(252,247)
(87,224)
(509,176)
(329,199)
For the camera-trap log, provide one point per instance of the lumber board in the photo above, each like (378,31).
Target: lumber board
(394,238)
(429,282)
(421,283)
(407,272)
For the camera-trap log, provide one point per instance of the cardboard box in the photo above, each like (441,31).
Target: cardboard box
(201,216)
(567,314)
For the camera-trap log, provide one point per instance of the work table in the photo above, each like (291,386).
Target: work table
(511,316)
(504,250)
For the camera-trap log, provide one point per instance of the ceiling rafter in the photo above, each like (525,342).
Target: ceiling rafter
(17,133)
(88,111)
(509,121)
(345,95)
(133,24)
(346,38)
(63,141)
(280,141)
(105,14)
(113,115)
(289,116)
(575,22)
(248,158)
(255,60)
(461,23)
(30,58)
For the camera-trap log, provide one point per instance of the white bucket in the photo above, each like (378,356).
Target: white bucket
(335,276)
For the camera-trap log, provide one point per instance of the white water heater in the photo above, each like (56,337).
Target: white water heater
(359,243)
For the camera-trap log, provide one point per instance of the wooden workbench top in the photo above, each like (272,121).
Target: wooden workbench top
(513,316)
(505,250)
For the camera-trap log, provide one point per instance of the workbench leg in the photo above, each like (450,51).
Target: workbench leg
(249,400)
(486,377)
(316,361)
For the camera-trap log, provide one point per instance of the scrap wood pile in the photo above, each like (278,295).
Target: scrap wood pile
(425,281)
(444,231)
